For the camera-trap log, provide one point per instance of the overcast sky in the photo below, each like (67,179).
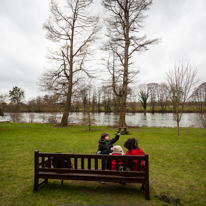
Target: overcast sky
(181,25)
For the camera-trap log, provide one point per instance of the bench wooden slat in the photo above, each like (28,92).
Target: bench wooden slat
(55,162)
(69,162)
(82,163)
(92,171)
(90,177)
(139,165)
(110,164)
(117,164)
(103,164)
(124,165)
(89,163)
(75,163)
(131,165)
(43,163)
(64,176)
(96,164)
(49,162)
(62,162)
(127,157)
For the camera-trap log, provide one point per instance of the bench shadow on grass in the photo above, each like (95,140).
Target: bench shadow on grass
(113,192)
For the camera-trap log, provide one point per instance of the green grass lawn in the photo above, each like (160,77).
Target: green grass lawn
(177,166)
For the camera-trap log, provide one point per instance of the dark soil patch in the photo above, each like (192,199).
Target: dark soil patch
(166,197)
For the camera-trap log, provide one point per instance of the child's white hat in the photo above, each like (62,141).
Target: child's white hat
(117,149)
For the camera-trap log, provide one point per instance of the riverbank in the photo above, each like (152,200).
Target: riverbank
(177,165)
(157,109)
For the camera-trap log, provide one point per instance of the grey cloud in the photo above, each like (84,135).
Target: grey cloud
(180,24)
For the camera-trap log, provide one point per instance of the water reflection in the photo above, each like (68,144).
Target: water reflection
(105,119)
(16,117)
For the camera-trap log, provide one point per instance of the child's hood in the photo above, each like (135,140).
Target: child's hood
(118,150)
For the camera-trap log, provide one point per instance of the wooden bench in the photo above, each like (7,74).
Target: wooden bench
(123,131)
(89,167)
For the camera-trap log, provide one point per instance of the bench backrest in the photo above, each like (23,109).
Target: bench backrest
(92,163)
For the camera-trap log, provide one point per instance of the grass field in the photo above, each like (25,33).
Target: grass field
(177,166)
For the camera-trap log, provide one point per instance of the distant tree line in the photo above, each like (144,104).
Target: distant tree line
(150,97)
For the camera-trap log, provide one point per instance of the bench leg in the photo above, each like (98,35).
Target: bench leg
(36,182)
(147,196)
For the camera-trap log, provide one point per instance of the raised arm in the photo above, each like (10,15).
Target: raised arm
(113,140)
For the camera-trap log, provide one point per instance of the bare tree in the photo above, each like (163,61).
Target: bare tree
(163,96)
(132,99)
(106,97)
(123,25)
(3,103)
(73,31)
(88,119)
(152,92)
(99,99)
(1,112)
(94,100)
(199,98)
(83,93)
(181,78)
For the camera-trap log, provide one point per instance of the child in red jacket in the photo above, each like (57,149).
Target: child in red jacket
(133,149)
(117,150)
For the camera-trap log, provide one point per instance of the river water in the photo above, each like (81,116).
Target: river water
(106,119)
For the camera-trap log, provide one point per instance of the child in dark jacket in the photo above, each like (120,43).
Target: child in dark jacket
(117,150)
(105,144)
(133,149)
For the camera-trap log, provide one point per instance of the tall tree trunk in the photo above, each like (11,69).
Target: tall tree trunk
(174,107)
(122,122)
(178,128)
(64,120)
(152,111)
(89,121)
